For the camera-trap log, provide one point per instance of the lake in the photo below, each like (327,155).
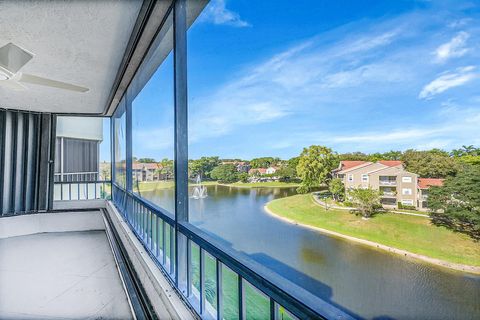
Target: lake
(362,281)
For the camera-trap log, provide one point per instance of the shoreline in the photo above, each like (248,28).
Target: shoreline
(399,252)
(254,187)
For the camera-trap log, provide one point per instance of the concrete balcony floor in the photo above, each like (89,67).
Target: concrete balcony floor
(60,275)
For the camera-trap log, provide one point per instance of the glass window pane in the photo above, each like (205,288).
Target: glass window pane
(314,111)
(151,93)
(283,314)
(82,155)
(230,295)
(210,285)
(257,304)
(120,144)
(160,243)
(194,275)
(168,247)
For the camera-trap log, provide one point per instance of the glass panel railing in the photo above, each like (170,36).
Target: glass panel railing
(257,304)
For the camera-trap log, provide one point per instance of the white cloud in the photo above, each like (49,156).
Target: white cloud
(448,80)
(453,49)
(395,135)
(217,13)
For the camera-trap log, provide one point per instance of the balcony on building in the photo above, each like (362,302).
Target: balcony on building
(387,180)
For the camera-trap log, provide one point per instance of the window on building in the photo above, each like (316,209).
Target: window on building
(407,179)
(407,191)
(350,177)
(407,202)
(364,177)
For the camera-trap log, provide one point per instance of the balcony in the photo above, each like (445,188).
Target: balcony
(387,181)
(389,194)
(59,265)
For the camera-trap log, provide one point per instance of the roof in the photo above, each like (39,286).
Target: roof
(141,165)
(425,183)
(259,170)
(348,164)
(391,163)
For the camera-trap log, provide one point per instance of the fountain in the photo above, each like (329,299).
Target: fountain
(199,190)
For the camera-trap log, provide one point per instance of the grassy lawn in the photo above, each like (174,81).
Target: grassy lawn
(271,184)
(411,233)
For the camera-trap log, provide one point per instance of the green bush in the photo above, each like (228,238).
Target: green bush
(406,207)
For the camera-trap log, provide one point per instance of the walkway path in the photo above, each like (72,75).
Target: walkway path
(333,206)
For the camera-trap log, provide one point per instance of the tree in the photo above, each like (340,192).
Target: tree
(367,201)
(146,160)
(433,163)
(226,173)
(243,177)
(392,155)
(264,162)
(288,171)
(203,166)
(456,204)
(470,159)
(466,151)
(354,156)
(315,165)
(165,168)
(337,189)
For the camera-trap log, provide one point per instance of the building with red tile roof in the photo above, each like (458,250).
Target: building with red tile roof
(425,183)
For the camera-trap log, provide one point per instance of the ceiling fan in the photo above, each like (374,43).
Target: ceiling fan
(12,59)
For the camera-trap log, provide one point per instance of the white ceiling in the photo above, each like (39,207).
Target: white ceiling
(80,42)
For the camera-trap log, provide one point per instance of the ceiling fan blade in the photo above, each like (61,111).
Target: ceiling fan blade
(12,84)
(13,58)
(29,78)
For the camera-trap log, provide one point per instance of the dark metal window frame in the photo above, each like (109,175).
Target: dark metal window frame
(140,214)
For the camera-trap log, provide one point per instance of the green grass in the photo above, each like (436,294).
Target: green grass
(411,233)
(270,184)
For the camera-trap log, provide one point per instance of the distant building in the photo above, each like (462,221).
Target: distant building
(242,166)
(257,171)
(423,185)
(396,185)
(271,170)
(145,171)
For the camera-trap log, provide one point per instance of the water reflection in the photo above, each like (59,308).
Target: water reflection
(363,281)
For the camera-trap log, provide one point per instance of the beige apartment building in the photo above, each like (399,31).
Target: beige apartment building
(396,185)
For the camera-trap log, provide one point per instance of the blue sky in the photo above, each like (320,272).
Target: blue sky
(271,78)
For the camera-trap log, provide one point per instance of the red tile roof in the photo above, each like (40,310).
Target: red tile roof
(259,170)
(348,164)
(425,183)
(141,165)
(391,163)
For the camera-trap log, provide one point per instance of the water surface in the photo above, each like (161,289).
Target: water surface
(363,281)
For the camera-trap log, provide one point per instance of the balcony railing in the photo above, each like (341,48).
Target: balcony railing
(87,190)
(388,182)
(389,194)
(76,176)
(205,264)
